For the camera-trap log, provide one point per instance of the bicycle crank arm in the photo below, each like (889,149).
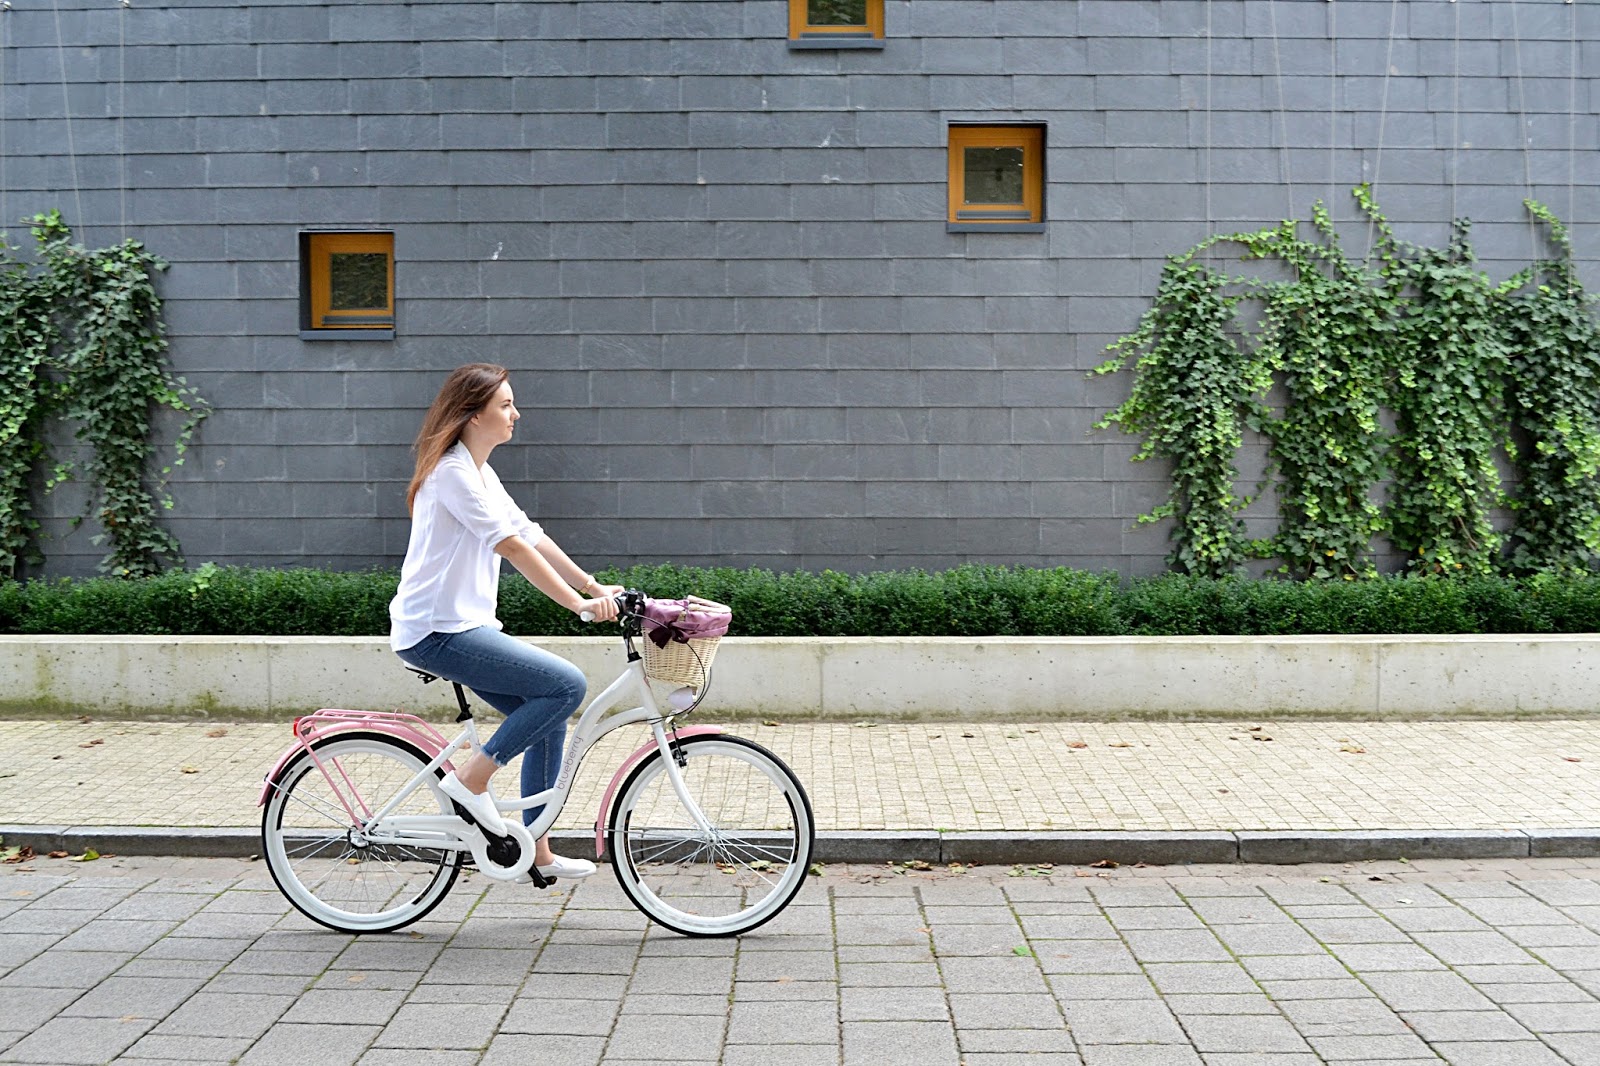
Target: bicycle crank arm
(517,841)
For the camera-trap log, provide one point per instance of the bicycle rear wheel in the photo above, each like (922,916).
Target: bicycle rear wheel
(726,877)
(311,835)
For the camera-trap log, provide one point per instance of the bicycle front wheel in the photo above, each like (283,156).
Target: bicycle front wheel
(313,841)
(732,867)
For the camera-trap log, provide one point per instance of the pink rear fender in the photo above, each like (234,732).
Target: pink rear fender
(325,728)
(622,771)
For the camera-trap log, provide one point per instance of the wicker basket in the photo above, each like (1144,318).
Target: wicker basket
(682,664)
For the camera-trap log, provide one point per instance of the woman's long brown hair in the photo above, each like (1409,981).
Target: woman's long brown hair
(463,395)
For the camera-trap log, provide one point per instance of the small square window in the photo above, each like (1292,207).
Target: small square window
(835,23)
(346,286)
(996,178)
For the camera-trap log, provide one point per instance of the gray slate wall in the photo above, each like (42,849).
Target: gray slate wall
(719,268)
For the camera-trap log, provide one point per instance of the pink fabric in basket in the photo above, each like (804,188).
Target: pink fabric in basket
(685,620)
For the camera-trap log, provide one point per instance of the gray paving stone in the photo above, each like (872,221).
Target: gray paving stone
(42,920)
(1170,977)
(195,948)
(1365,1049)
(1035,1058)
(1465,1025)
(890,973)
(1029,1042)
(66,969)
(1570,1017)
(1581,1049)
(574,986)
(1005,1010)
(976,939)
(1486,948)
(1499,1053)
(1153,918)
(873,1043)
(28,1008)
(700,1004)
(1294,967)
(405,1057)
(154,1046)
(893,1004)
(1123,1021)
(1427,992)
(351,1005)
(1343,1017)
(1184,1004)
(156,906)
(224,1014)
(1552,936)
(1084,956)
(1176,945)
(1068,927)
(375,954)
(1274,939)
(684,975)
(1069,987)
(67,1041)
(289,1044)
(253,984)
(1259,1033)
(783,1024)
(516,1049)
(497,996)
(1323,988)
(1365,930)
(794,965)
(1139,1055)
(451,1026)
(586,959)
(796,1054)
(1383,958)
(560,1017)
(761,991)
(977,974)
(882,929)
(139,997)
(643,1037)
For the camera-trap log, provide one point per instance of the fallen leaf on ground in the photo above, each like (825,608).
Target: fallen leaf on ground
(935,736)
(1572,758)
(919,864)
(89,855)
(815,869)
(15,854)
(189,770)
(1255,729)
(1023,950)
(1260,736)
(91,743)
(866,725)
(1119,744)
(356,978)
(58,854)
(1106,864)
(1082,873)
(216,732)
(1030,730)
(1077,744)
(969,735)
(1222,791)
(1353,749)
(85,719)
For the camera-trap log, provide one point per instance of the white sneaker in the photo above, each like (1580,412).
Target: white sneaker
(568,869)
(478,804)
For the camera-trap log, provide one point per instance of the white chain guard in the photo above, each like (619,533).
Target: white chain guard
(487,866)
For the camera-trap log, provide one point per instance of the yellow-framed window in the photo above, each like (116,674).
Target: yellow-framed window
(822,19)
(996,176)
(348,281)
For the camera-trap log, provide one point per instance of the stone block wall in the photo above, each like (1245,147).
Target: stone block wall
(719,269)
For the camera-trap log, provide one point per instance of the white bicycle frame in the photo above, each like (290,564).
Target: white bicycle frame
(450,833)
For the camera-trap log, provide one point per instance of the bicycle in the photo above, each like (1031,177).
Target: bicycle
(709,834)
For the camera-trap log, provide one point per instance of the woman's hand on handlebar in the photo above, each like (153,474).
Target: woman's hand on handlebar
(600,609)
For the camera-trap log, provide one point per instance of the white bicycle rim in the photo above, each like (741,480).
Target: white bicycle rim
(740,874)
(315,851)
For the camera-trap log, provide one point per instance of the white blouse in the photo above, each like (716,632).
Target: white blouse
(451,578)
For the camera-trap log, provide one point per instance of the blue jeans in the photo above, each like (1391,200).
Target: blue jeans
(536,691)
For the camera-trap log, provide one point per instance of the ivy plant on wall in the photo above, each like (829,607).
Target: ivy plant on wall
(1466,368)
(81,340)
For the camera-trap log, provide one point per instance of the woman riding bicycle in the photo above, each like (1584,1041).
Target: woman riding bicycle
(442,619)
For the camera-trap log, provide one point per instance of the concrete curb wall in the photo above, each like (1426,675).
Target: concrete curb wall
(1360,677)
(1065,848)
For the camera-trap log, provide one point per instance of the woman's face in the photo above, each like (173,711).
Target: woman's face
(496,418)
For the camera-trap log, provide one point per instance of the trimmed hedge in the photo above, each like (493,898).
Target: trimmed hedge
(974,601)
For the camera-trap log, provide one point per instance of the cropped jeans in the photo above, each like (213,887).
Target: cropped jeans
(536,691)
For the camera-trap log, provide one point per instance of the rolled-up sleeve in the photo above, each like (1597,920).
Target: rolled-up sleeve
(469,502)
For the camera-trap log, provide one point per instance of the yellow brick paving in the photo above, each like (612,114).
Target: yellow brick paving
(1009,776)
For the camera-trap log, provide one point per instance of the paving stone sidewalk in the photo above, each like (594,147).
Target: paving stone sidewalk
(1463,962)
(1059,776)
